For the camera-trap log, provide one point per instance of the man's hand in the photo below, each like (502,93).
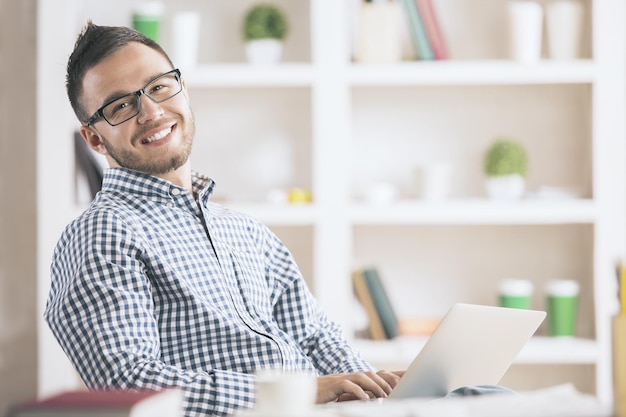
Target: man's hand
(356,386)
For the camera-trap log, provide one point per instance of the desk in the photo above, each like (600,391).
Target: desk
(559,401)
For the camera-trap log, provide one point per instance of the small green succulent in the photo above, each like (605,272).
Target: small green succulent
(505,157)
(264,21)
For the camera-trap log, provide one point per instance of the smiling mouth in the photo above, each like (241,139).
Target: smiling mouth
(157,136)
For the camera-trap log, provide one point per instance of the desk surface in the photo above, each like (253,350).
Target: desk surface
(559,401)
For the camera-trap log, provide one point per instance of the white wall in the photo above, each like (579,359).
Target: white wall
(55,174)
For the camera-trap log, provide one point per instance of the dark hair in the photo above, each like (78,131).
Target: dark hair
(94,44)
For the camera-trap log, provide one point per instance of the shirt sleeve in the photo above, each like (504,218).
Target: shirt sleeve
(300,315)
(101,311)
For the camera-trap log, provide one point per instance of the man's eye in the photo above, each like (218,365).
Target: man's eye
(157,89)
(120,106)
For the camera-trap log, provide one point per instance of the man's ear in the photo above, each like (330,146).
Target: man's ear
(92,137)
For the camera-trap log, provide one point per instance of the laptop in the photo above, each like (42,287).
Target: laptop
(472,345)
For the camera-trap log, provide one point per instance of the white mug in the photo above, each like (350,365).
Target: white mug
(284,393)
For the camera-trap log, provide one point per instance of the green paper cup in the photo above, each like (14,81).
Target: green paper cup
(562,299)
(515,293)
(147,19)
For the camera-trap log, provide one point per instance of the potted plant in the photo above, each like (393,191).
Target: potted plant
(264,29)
(506,164)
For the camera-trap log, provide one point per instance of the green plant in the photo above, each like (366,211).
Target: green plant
(505,157)
(264,21)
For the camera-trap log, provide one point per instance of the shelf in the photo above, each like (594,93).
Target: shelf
(538,350)
(472,73)
(245,75)
(555,350)
(400,74)
(462,212)
(476,211)
(278,214)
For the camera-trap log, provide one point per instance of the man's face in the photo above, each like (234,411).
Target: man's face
(158,140)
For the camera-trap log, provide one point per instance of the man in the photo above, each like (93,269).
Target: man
(154,285)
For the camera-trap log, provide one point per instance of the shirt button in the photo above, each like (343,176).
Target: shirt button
(175,191)
(170,204)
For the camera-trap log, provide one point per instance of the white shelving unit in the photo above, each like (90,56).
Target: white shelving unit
(477,211)
(540,350)
(484,72)
(338,126)
(243,75)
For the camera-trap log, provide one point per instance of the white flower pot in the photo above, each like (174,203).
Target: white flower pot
(264,51)
(506,187)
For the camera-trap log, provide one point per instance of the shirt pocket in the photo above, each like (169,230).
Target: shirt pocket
(252,283)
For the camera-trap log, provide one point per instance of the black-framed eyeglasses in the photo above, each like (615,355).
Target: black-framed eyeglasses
(124,108)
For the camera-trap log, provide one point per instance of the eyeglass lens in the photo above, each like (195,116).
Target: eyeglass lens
(127,107)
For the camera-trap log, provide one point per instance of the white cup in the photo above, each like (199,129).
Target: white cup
(433,181)
(185,39)
(146,18)
(564,22)
(516,293)
(562,301)
(381,193)
(284,394)
(525,24)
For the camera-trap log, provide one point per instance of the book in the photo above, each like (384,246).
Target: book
(104,403)
(384,307)
(407,326)
(433,30)
(417,30)
(375,326)
(381,300)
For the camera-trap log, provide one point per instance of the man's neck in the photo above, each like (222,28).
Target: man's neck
(180,176)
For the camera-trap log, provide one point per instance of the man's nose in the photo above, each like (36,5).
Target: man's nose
(148,109)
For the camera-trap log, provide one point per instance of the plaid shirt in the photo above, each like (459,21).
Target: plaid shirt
(152,288)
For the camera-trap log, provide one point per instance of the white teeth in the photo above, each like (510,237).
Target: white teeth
(159,135)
